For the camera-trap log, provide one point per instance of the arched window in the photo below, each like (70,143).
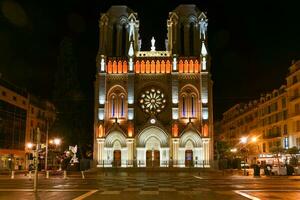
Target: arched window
(183,106)
(189,102)
(117,104)
(113,106)
(122,106)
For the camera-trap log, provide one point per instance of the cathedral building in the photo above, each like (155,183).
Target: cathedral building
(153,108)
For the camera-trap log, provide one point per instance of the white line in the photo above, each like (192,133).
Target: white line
(85,195)
(46,190)
(271,190)
(246,195)
(198,177)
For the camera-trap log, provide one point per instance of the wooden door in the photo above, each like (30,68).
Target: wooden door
(188,158)
(149,158)
(156,159)
(117,158)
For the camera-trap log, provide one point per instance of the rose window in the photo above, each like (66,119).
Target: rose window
(152,101)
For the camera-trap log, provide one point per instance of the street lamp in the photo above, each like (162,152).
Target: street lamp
(29,145)
(243,140)
(57,141)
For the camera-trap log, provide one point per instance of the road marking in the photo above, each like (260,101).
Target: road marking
(198,177)
(246,195)
(85,195)
(46,190)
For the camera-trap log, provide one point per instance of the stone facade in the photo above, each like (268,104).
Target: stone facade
(153,108)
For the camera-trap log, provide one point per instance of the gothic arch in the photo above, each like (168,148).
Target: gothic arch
(150,132)
(190,136)
(115,136)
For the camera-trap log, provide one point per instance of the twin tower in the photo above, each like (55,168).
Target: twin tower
(153,108)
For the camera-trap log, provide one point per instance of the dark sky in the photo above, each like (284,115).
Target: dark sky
(251,43)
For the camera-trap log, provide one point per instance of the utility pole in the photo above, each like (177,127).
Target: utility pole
(35,180)
(46,157)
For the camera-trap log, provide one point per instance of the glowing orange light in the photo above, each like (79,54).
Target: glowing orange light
(143,67)
(120,67)
(130,131)
(152,66)
(191,66)
(109,67)
(205,130)
(125,67)
(137,67)
(168,67)
(175,130)
(163,67)
(196,66)
(186,66)
(115,67)
(180,66)
(157,67)
(101,131)
(147,67)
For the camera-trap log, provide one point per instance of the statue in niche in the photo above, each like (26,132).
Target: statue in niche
(203,27)
(131,29)
(152,44)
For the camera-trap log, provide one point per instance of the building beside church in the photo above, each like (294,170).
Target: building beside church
(153,108)
(273,120)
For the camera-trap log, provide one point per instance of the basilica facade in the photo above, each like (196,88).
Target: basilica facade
(153,108)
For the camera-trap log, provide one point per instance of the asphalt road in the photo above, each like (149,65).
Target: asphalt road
(154,185)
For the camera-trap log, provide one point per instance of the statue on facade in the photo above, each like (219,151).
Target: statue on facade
(203,27)
(152,44)
(131,29)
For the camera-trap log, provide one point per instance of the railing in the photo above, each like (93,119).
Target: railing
(154,163)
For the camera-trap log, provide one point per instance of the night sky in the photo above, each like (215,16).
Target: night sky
(251,44)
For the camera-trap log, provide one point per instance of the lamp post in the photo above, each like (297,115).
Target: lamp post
(46,157)
(35,181)
(244,141)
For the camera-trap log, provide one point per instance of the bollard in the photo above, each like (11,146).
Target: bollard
(65,174)
(47,174)
(12,174)
(82,175)
(29,174)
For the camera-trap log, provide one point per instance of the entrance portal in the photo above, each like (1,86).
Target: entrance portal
(188,158)
(152,158)
(117,158)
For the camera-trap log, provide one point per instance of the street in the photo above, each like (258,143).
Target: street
(153,185)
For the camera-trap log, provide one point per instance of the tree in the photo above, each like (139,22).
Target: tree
(276,151)
(293,151)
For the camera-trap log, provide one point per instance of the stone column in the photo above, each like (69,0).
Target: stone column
(100,152)
(175,149)
(129,142)
(141,156)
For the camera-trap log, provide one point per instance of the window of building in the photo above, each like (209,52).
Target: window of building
(264,147)
(3,93)
(294,79)
(297,125)
(283,102)
(32,110)
(296,92)
(285,129)
(286,142)
(14,98)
